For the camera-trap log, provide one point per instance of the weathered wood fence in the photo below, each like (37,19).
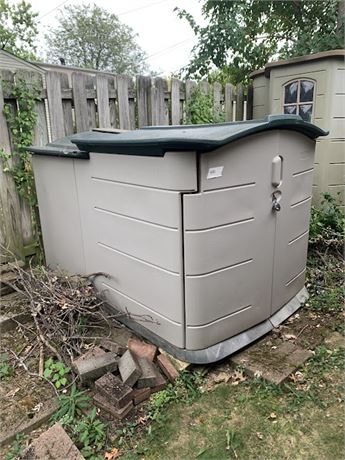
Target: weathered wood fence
(78,101)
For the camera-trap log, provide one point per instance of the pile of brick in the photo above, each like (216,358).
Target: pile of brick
(123,377)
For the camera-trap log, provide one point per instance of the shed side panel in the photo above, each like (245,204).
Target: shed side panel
(59,211)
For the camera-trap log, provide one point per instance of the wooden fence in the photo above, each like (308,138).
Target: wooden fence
(78,101)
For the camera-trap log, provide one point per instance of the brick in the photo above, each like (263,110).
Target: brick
(102,402)
(148,373)
(114,390)
(177,363)
(110,345)
(91,368)
(53,444)
(161,383)
(142,349)
(129,368)
(167,367)
(140,394)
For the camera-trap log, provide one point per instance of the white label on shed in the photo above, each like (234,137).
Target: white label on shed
(215,172)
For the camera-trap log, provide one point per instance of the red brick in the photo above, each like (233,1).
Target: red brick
(142,349)
(114,390)
(110,345)
(91,368)
(148,373)
(167,367)
(54,444)
(129,368)
(140,394)
(102,402)
(161,383)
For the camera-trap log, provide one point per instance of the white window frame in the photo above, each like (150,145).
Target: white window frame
(298,102)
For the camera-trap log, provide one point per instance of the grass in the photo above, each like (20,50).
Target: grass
(255,419)
(301,419)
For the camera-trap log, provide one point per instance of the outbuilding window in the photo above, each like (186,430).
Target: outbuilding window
(299,98)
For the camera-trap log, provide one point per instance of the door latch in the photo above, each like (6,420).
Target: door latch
(275,205)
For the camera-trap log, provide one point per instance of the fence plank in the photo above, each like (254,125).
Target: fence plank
(175,101)
(190,86)
(10,220)
(132,103)
(103,107)
(217,93)
(67,107)
(123,101)
(239,102)
(143,100)
(204,86)
(228,96)
(80,102)
(91,103)
(55,109)
(250,102)
(161,88)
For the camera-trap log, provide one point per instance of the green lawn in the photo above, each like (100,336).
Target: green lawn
(301,419)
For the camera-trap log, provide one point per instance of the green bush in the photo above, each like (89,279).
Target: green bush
(327,222)
(200,109)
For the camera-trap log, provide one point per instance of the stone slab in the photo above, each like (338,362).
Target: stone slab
(112,388)
(91,368)
(102,402)
(43,416)
(129,368)
(142,349)
(335,340)
(53,444)
(148,373)
(167,367)
(271,364)
(10,322)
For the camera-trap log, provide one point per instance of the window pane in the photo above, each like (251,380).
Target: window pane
(291,93)
(290,109)
(307,91)
(305,111)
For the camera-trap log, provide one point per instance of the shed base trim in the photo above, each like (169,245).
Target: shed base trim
(222,349)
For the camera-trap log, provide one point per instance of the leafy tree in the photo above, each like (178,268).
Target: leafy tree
(89,36)
(243,35)
(18,28)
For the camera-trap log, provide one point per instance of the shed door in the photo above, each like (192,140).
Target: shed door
(229,234)
(292,221)
(244,260)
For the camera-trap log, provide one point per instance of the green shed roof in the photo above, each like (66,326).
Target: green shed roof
(156,140)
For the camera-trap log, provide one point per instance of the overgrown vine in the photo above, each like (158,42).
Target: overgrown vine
(21,121)
(200,109)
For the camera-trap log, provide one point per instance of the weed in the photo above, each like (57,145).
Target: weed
(91,435)
(71,405)
(16,447)
(200,109)
(55,371)
(327,222)
(233,441)
(6,370)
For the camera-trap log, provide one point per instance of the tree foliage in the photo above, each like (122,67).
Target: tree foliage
(18,28)
(246,34)
(89,36)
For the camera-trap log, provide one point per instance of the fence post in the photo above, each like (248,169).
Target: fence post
(53,84)
(10,215)
(103,107)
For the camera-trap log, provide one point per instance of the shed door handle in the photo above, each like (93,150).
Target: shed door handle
(277,169)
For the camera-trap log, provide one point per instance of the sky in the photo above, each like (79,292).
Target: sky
(165,38)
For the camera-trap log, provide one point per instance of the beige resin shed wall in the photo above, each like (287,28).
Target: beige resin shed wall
(327,70)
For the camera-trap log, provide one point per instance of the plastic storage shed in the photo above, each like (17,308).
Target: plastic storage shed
(203,230)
